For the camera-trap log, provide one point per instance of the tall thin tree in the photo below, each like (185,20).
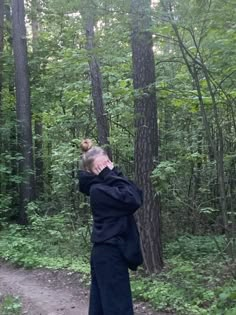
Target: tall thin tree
(23,107)
(1,74)
(1,49)
(146,139)
(38,124)
(89,16)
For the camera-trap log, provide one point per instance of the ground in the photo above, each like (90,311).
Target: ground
(51,292)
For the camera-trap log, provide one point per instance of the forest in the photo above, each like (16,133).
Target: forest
(154,83)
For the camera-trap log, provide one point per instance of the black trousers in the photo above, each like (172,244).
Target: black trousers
(110,292)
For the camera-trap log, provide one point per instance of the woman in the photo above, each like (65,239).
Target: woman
(116,247)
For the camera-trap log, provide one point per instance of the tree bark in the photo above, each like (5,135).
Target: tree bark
(39,165)
(146,138)
(1,51)
(96,80)
(38,124)
(23,108)
(1,77)
(8,28)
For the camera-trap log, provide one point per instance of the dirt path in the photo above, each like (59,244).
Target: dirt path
(38,296)
(47,292)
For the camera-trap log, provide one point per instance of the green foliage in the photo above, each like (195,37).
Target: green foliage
(195,280)
(227,301)
(174,296)
(50,242)
(163,174)
(10,305)
(189,247)
(5,206)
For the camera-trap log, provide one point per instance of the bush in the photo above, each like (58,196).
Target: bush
(194,247)
(48,242)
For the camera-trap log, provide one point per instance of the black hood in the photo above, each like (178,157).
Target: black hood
(86,180)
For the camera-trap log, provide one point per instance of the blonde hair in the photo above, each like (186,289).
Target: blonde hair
(89,153)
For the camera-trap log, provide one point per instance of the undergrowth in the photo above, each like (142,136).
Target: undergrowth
(10,305)
(195,280)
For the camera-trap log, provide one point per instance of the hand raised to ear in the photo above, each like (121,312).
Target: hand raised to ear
(99,167)
(110,164)
(100,163)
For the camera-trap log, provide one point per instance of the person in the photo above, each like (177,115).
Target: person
(116,245)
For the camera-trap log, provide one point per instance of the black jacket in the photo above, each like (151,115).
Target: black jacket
(114,199)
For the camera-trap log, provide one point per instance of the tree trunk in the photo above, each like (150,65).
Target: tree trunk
(39,176)
(8,28)
(1,77)
(96,80)
(38,124)
(23,108)
(146,138)
(1,52)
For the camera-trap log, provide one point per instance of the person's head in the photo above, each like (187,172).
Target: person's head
(92,155)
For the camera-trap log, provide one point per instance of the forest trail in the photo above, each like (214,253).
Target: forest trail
(50,292)
(40,295)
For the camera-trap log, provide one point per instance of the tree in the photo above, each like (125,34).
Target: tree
(1,50)
(23,108)
(38,124)
(199,70)
(146,138)
(1,73)
(96,78)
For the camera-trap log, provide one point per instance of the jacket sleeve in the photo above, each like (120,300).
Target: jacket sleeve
(120,193)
